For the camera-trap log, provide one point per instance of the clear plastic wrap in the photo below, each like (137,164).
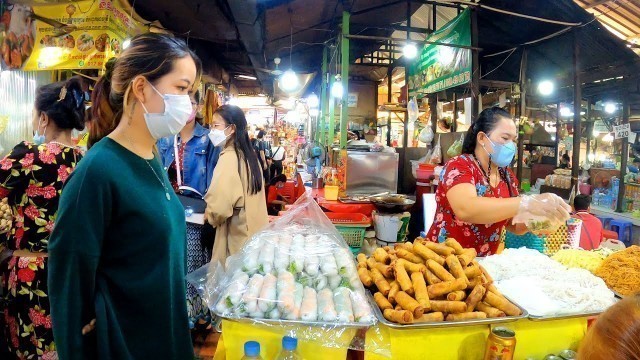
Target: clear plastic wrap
(543,214)
(296,273)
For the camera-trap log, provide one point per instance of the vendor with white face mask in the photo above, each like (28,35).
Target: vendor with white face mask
(478,193)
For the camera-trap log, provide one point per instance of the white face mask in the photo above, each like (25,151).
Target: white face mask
(218,137)
(177,110)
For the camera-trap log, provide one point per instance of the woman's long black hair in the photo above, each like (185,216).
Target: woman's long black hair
(233,115)
(486,122)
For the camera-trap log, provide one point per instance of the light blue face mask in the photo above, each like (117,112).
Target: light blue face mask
(37,138)
(503,154)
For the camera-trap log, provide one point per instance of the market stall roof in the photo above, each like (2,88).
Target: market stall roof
(621,18)
(209,28)
(601,53)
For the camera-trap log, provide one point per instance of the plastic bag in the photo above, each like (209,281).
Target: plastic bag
(297,272)
(412,109)
(456,148)
(543,214)
(436,155)
(426,135)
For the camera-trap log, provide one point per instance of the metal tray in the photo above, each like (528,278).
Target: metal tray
(348,200)
(444,324)
(291,322)
(564,316)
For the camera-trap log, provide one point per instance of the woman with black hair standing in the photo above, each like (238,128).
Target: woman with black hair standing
(31,179)
(118,250)
(478,193)
(236,204)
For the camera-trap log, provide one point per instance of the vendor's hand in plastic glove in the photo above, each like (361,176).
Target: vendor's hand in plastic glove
(545,205)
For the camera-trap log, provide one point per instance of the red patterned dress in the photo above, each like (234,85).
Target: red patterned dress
(31,177)
(485,239)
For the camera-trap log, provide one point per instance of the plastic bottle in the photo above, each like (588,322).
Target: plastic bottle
(252,351)
(289,349)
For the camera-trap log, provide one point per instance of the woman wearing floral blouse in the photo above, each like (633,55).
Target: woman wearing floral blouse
(31,178)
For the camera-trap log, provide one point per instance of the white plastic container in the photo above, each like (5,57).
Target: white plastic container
(388,226)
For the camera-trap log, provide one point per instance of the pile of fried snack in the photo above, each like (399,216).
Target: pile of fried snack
(424,282)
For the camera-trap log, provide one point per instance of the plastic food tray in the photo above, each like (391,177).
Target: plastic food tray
(444,324)
(276,322)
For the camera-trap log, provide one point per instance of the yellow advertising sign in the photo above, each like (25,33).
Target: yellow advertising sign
(79,35)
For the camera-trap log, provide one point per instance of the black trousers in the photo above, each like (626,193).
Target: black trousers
(276,168)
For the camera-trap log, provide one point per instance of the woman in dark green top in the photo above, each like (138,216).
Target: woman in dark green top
(117,253)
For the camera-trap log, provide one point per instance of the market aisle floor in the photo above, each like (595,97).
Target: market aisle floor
(206,348)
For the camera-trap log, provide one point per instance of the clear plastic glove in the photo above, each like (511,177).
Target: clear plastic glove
(542,213)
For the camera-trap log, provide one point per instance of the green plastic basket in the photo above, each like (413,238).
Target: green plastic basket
(352,234)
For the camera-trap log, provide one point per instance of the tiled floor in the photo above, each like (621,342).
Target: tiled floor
(205,348)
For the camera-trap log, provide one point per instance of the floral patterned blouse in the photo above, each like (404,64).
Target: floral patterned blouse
(32,177)
(485,239)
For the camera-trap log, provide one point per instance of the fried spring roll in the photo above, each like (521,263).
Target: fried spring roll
(403,279)
(438,248)
(467,256)
(408,255)
(440,271)
(490,310)
(475,297)
(431,317)
(426,253)
(361,258)
(456,268)
(412,267)
(385,270)
(472,271)
(387,248)
(455,245)
(486,274)
(467,316)
(420,289)
(381,256)
(408,303)
(431,278)
(382,301)
(450,307)
(398,316)
(399,308)
(445,287)
(491,287)
(456,295)
(404,245)
(395,287)
(501,303)
(381,283)
(365,277)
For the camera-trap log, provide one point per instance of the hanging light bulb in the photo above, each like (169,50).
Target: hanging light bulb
(610,108)
(288,81)
(126,43)
(410,51)
(336,89)
(545,88)
(313,100)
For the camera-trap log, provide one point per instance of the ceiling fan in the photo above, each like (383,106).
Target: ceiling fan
(274,72)
(59,29)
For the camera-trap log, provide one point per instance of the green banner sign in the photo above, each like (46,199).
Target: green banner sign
(442,67)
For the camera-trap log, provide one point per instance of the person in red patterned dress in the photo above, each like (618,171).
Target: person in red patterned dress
(478,195)
(31,178)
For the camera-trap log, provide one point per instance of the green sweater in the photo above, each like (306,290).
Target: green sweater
(118,254)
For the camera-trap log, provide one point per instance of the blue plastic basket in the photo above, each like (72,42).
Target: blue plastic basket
(528,240)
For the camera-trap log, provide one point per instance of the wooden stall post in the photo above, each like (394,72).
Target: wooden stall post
(624,153)
(577,108)
(522,111)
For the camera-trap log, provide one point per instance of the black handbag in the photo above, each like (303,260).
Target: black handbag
(191,198)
